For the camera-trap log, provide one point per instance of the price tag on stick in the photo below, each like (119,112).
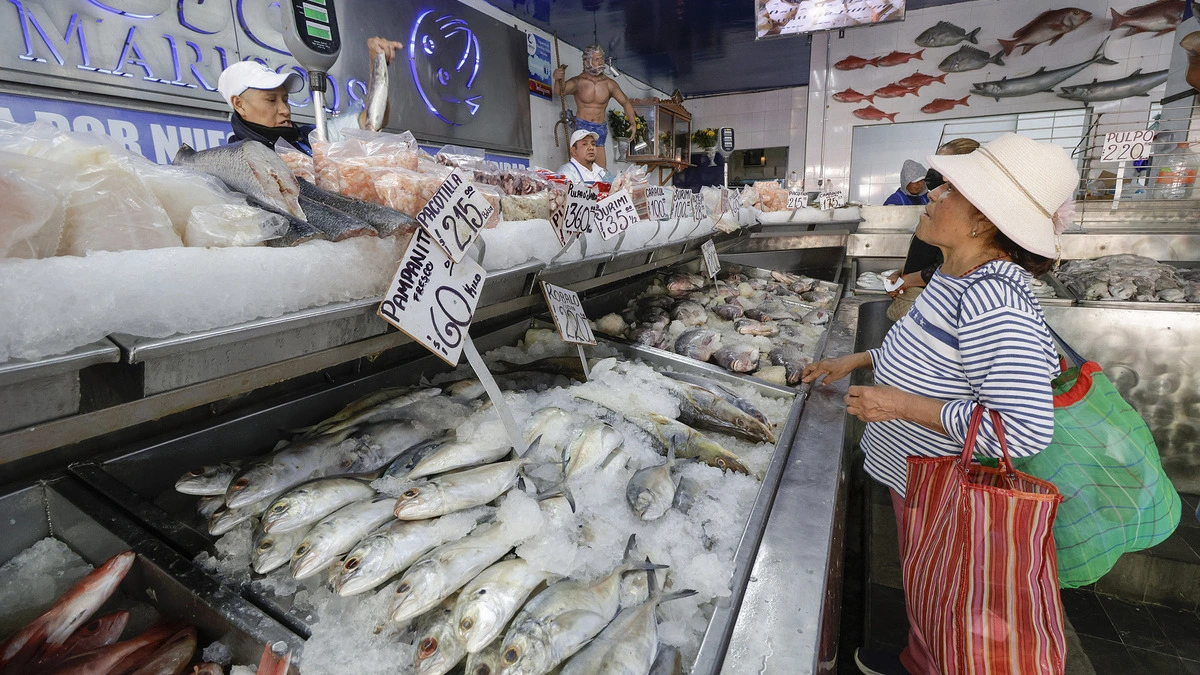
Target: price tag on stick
(656,199)
(455,214)
(570,319)
(796,200)
(1121,146)
(682,206)
(709,249)
(832,199)
(579,212)
(615,213)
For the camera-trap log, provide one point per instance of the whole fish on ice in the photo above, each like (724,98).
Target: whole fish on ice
(456,454)
(689,443)
(386,552)
(387,222)
(250,168)
(226,518)
(309,502)
(706,408)
(1049,26)
(334,224)
(628,644)
(593,444)
(717,389)
(459,490)
(208,480)
(486,605)
(1041,81)
(1135,84)
(650,490)
(374,407)
(337,534)
(969,58)
(946,34)
(438,646)
(272,550)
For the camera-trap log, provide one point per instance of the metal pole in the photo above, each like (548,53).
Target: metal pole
(317,86)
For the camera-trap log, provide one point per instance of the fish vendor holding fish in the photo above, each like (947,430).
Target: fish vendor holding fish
(975,336)
(261,112)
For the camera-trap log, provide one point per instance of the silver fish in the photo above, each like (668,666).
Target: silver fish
(386,552)
(718,389)
(969,58)
(378,406)
(272,550)
(386,222)
(1041,81)
(651,491)
(460,454)
(706,408)
(650,337)
(741,358)
(309,502)
(689,443)
(628,644)
(460,490)
(208,505)
(337,533)
(946,34)
(377,98)
(668,661)
(298,232)
(368,449)
(408,460)
(250,168)
(1135,84)
(486,605)
(445,569)
(550,423)
(208,480)
(485,661)
(817,317)
(698,343)
(226,518)
(438,647)
(334,224)
(591,446)
(560,620)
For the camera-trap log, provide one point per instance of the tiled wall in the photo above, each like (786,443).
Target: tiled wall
(830,139)
(543,114)
(766,119)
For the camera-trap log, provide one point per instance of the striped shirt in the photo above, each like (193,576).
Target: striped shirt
(966,339)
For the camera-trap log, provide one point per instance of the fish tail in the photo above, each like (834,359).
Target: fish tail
(873,62)
(1008,45)
(963,100)
(918,55)
(973,36)
(942,78)
(997,60)
(891,117)
(675,595)
(1099,55)
(185,151)
(1118,19)
(870,99)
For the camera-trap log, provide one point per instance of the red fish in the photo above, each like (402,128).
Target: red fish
(127,655)
(919,79)
(1049,26)
(71,611)
(170,657)
(275,659)
(938,105)
(894,91)
(872,113)
(898,58)
(1159,17)
(851,96)
(100,632)
(855,63)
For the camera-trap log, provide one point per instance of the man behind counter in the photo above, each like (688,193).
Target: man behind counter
(259,98)
(583,167)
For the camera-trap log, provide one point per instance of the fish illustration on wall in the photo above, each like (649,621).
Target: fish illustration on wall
(1135,84)
(874,114)
(1041,81)
(919,79)
(855,63)
(938,105)
(968,59)
(894,91)
(1049,26)
(1159,17)
(851,96)
(897,58)
(946,34)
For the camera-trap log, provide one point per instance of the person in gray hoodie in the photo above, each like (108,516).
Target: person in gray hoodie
(912,191)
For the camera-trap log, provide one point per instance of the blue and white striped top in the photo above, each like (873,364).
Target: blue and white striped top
(966,339)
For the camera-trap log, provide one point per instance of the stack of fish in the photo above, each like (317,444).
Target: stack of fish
(756,321)
(381,491)
(66,640)
(1129,277)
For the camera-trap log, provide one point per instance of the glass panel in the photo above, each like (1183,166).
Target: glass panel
(666,133)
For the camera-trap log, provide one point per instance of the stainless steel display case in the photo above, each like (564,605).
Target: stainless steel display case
(49,388)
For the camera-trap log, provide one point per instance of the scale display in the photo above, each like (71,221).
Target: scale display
(316,25)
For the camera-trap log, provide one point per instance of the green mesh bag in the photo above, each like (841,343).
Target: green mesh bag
(1116,497)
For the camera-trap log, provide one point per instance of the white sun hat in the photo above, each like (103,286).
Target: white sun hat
(243,75)
(1019,184)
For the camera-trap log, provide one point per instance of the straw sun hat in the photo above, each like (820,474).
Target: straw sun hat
(1020,185)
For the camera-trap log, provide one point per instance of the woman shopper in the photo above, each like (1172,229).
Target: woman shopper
(976,335)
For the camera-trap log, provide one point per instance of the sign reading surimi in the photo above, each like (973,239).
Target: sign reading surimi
(793,17)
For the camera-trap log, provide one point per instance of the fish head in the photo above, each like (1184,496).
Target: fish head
(196,477)
(986,88)
(526,650)
(716,456)
(418,589)
(420,498)
(641,500)
(283,509)
(364,567)
(1076,17)
(308,557)
(438,649)
(478,618)
(250,485)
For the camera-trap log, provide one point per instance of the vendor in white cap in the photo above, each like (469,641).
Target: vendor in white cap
(583,167)
(259,98)
(975,336)
(912,190)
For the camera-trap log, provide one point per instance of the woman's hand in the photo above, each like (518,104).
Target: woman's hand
(879,403)
(378,45)
(911,280)
(835,369)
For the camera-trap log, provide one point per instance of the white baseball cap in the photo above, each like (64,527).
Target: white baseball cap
(244,75)
(581,134)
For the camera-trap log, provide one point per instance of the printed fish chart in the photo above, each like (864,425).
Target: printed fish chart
(786,17)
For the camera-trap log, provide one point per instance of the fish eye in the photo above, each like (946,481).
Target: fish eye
(409,494)
(351,563)
(427,44)
(428,646)
(302,549)
(443,76)
(404,587)
(483,670)
(466,624)
(198,471)
(721,463)
(266,545)
(511,655)
(278,508)
(483,591)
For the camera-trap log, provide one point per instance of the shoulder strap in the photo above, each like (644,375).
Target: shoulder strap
(1073,356)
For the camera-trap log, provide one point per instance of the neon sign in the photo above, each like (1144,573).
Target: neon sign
(444,58)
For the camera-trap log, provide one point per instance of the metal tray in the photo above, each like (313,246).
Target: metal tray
(141,479)
(62,508)
(1065,298)
(1155,306)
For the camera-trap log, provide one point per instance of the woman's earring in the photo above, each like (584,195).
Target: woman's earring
(974,233)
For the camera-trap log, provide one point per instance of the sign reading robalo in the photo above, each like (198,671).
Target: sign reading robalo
(568,314)
(455,214)
(432,298)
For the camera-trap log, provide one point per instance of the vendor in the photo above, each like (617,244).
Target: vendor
(583,167)
(259,99)
(912,190)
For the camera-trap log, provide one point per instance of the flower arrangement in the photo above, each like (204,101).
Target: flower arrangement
(705,138)
(618,123)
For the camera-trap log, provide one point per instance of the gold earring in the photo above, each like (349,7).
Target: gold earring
(974,233)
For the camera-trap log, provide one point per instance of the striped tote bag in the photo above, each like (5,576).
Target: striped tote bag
(979,564)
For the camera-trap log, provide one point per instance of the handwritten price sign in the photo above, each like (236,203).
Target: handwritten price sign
(735,203)
(577,216)
(832,199)
(455,214)
(656,198)
(797,200)
(682,205)
(569,317)
(709,249)
(615,213)
(1121,146)
(699,210)
(432,298)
